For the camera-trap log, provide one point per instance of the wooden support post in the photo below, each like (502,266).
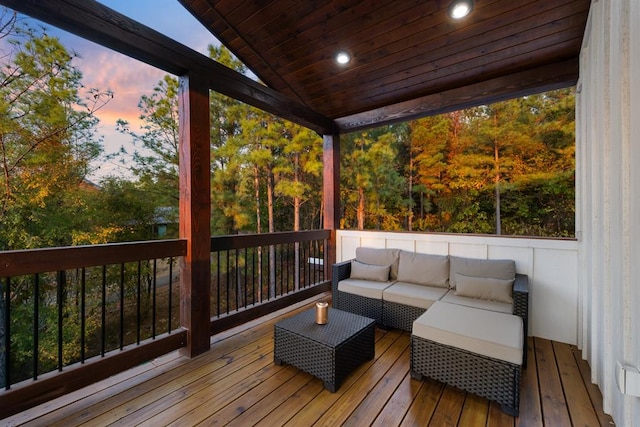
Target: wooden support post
(195,213)
(331,194)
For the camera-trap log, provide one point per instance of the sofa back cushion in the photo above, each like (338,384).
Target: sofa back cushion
(494,268)
(384,257)
(486,288)
(424,269)
(376,273)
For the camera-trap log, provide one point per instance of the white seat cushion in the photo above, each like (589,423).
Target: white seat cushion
(500,307)
(492,334)
(364,288)
(413,295)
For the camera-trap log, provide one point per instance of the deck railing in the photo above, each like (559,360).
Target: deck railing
(75,315)
(254,274)
(65,306)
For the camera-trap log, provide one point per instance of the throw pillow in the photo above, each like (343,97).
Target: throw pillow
(496,268)
(377,273)
(486,288)
(380,256)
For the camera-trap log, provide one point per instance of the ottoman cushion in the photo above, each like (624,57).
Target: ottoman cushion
(502,307)
(488,333)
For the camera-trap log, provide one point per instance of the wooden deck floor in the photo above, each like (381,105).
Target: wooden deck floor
(237,384)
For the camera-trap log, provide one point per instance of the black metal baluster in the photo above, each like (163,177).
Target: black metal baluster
(62,278)
(227,281)
(170,293)
(218,286)
(121,306)
(309,246)
(286,264)
(83,310)
(237,285)
(246,281)
(278,249)
(103,316)
(153,298)
(36,316)
(7,334)
(325,262)
(268,277)
(301,264)
(138,302)
(253,274)
(316,259)
(305,271)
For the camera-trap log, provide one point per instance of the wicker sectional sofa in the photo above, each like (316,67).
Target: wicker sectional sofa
(467,317)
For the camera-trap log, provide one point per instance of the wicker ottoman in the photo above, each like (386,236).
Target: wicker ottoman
(329,352)
(477,350)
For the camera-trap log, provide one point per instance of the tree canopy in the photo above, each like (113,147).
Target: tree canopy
(505,168)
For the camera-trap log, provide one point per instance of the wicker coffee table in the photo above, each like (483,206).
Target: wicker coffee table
(329,352)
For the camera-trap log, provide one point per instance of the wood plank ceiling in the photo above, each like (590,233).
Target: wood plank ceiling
(406,54)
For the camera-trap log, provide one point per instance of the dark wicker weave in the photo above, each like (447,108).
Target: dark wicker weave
(491,378)
(400,316)
(329,352)
(339,271)
(521,308)
(494,379)
(368,307)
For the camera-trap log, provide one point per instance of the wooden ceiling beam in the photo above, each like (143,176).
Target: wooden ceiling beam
(100,24)
(536,80)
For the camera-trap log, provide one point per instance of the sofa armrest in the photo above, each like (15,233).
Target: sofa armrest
(521,308)
(339,271)
(521,296)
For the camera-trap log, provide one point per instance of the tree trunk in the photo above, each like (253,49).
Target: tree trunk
(272,249)
(296,224)
(256,184)
(410,213)
(496,155)
(360,213)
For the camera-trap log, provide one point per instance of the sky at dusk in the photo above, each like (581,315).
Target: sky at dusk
(127,78)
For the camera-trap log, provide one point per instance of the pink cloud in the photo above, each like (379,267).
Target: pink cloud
(127,78)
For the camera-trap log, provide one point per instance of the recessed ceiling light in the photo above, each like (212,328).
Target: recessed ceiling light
(460,8)
(343,58)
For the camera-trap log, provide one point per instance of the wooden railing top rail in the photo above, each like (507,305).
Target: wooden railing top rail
(241,241)
(31,261)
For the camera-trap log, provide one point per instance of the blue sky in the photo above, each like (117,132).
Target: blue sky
(129,79)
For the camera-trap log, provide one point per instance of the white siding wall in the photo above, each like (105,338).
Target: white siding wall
(608,184)
(550,264)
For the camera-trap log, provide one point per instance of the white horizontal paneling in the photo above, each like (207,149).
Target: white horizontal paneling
(405,244)
(554,294)
(347,247)
(432,247)
(468,250)
(551,266)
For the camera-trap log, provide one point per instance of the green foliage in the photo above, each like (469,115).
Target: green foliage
(47,140)
(371,180)
(156,164)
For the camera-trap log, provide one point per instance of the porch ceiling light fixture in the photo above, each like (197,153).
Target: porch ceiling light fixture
(460,8)
(342,57)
